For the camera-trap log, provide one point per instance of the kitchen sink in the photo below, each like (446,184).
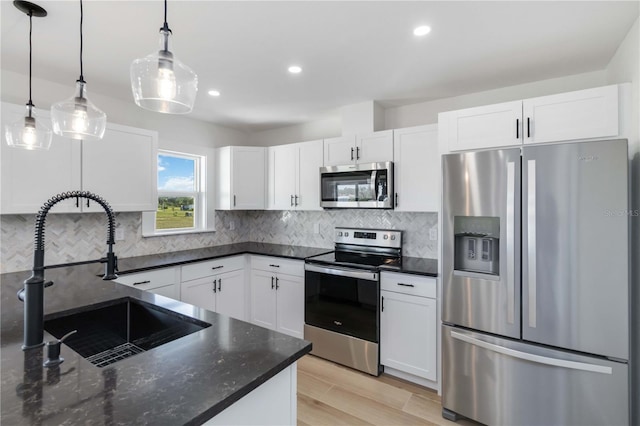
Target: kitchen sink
(111,331)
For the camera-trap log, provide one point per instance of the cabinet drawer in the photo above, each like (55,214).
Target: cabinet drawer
(278,264)
(212,267)
(416,285)
(149,279)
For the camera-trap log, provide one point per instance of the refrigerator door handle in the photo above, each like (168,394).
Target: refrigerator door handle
(574,365)
(511,190)
(531,241)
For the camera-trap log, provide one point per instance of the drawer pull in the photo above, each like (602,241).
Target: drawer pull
(406,285)
(218,267)
(274,266)
(338,323)
(142,282)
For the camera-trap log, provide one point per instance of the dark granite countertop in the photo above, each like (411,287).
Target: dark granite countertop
(415,265)
(143,263)
(186,381)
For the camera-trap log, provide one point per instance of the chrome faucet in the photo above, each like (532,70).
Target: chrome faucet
(33,292)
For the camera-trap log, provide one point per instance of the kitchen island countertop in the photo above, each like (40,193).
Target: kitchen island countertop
(186,381)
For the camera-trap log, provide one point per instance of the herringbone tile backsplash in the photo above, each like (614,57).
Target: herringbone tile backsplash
(77,237)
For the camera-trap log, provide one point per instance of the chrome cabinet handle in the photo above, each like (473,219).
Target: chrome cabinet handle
(214,285)
(357,153)
(396,199)
(274,266)
(406,285)
(219,284)
(277,286)
(218,267)
(338,323)
(510,230)
(142,282)
(528,127)
(351,153)
(382,304)
(517,128)
(296,198)
(292,201)
(234,201)
(272,286)
(531,241)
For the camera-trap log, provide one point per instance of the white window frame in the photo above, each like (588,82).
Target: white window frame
(204,213)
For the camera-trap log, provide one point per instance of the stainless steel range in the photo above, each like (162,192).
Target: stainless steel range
(342,296)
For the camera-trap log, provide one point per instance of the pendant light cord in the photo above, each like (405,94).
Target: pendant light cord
(165,28)
(81,67)
(30,56)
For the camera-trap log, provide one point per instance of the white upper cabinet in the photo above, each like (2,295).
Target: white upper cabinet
(121,168)
(585,114)
(417,169)
(355,149)
(483,127)
(580,115)
(241,178)
(294,176)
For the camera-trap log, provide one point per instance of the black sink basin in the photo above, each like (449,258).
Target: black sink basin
(118,329)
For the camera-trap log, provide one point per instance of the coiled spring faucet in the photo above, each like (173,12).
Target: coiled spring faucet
(33,292)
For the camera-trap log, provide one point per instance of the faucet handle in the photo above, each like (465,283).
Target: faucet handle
(53,350)
(22,290)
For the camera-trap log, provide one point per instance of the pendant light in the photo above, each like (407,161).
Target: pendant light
(29,133)
(77,117)
(160,82)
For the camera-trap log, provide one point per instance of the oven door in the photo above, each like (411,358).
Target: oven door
(343,300)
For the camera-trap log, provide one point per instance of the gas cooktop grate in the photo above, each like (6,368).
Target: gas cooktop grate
(116,354)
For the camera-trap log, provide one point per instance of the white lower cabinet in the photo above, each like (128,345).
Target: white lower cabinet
(159,281)
(206,286)
(277,299)
(409,325)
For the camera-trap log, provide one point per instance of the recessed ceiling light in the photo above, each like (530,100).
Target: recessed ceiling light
(213,93)
(294,69)
(421,31)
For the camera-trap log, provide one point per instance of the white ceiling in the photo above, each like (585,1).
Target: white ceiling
(350,51)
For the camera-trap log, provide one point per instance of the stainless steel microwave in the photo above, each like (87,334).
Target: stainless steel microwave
(359,186)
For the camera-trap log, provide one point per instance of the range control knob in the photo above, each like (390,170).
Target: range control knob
(339,233)
(386,237)
(393,237)
(346,234)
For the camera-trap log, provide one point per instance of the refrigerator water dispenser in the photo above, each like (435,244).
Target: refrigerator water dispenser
(477,244)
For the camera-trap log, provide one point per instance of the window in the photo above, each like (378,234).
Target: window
(182,196)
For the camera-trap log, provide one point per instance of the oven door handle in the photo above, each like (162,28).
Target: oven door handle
(343,272)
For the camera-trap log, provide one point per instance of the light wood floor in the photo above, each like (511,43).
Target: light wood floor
(330,394)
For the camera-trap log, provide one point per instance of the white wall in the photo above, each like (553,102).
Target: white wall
(625,67)
(326,128)
(173,129)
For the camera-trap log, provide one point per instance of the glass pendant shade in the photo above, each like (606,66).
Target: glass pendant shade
(28,132)
(162,83)
(77,117)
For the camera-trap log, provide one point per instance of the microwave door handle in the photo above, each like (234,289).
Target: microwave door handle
(374,179)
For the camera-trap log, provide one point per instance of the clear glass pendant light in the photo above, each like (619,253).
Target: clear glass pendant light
(160,82)
(77,117)
(29,133)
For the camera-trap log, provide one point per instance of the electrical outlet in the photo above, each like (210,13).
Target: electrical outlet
(232,225)
(316,228)
(119,234)
(433,234)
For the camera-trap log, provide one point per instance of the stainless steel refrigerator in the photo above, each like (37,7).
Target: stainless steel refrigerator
(536,285)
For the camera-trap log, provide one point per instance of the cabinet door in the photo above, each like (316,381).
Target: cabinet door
(230,299)
(417,169)
(290,308)
(310,159)
(263,299)
(30,178)
(484,127)
(408,326)
(199,293)
(339,151)
(248,178)
(584,114)
(282,177)
(121,168)
(375,147)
